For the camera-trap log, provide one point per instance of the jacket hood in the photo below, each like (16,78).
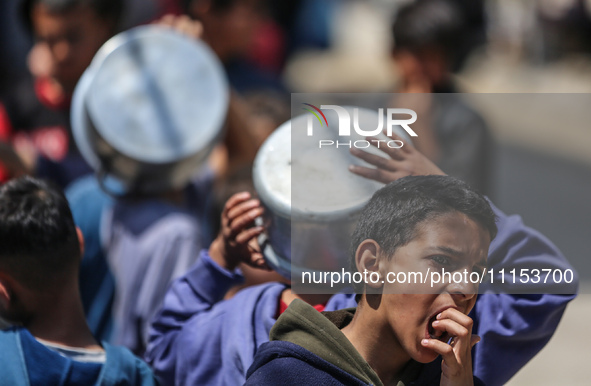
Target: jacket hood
(320,333)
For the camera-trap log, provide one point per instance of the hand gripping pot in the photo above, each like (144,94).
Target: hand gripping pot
(149,108)
(311,200)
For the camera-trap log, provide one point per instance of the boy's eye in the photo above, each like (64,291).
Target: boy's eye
(441,260)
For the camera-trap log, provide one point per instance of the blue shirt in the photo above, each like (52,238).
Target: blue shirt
(150,242)
(26,362)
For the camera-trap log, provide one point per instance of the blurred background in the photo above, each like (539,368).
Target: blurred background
(542,167)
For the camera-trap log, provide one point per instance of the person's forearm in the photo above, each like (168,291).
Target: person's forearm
(516,325)
(189,296)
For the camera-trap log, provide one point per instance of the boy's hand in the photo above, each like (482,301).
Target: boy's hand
(402,162)
(456,367)
(182,24)
(236,243)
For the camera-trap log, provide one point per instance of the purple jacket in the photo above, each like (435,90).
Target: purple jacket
(197,338)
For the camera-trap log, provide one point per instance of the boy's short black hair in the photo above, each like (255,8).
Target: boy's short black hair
(109,10)
(392,215)
(428,24)
(39,245)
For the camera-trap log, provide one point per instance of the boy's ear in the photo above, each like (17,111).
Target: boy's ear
(80,241)
(366,259)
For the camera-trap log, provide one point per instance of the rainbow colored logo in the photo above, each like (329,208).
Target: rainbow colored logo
(316,115)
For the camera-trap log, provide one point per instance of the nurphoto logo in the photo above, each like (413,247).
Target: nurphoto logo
(392,118)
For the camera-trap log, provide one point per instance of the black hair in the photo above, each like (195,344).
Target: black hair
(428,24)
(222,5)
(393,214)
(39,245)
(108,10)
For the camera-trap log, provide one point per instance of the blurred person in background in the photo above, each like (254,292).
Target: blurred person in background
(251,45)
(151,230)
(563,30)
(13,46)
(67,34)
(428,45)
(89,203)
(150,239)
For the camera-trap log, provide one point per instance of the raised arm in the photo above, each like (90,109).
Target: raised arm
(514,325)
(193,295)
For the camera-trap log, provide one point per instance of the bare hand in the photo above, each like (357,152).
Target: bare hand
(456,367)
(182,24)
(236,243)
(401,162)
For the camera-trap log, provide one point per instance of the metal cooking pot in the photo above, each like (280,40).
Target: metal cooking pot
(312,201)
(149,109)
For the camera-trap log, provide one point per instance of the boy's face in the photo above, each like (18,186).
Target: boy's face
(71,38)
(452,242)
(231,32)
(427,66)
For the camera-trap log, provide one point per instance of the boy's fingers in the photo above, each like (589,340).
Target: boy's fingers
(165,20)
(376,160)
(189,27)
(258,261)
(407,148)
(182,24)
(242,208)
(240,222)
(453,328)
(378,175)
(443,349)
(392,152)
(458,325)
(474,339)
(235,200)
(457,316)
(248,234)
(382,145)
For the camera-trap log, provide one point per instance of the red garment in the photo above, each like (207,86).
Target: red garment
(5,131)
(268,47)
(5,126)
(51,142)
(283,306)
(167,7)
(48,97)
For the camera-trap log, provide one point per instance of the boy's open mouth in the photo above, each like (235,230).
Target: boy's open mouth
(436,334)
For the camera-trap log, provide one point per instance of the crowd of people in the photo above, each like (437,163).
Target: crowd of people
(159,279)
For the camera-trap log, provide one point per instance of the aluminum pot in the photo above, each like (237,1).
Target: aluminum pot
(149,109)
(311,200)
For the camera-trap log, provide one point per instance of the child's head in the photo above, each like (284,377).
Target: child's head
(229,26)
(418,225)
(426,35)
(71,32)
(39,246)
